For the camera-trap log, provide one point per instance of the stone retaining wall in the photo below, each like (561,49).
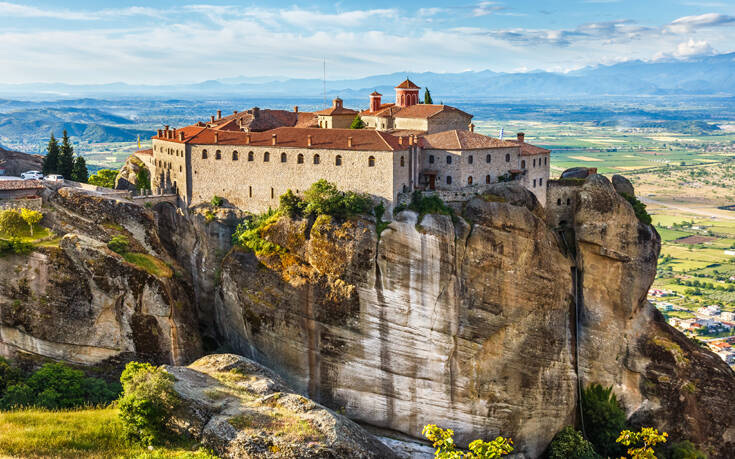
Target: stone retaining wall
(34,203)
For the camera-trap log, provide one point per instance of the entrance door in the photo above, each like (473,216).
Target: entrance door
(432,180)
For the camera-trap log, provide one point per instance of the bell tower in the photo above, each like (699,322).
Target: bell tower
(407,94)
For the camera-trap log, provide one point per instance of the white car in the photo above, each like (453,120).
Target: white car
(32,175)
(54,178)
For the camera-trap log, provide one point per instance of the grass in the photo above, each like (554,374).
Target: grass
(85,433)
(39,232)
(148,263)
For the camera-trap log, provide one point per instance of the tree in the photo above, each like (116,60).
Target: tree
(648,436)
(11,223)
(66,157)
(104,177)
(31,217)
(427,97)
(479,449)
(604,419)
(51,160)
(79,171)
(143,179)
(570,444)
(357,123)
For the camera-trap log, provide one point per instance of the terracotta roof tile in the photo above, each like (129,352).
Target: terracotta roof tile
(292,137)
(385,111)
(462,140)
(258,120)
(375,93)
(336,111)
(427,111)
(408,84)
(148,152)
(530,150)
(7,185)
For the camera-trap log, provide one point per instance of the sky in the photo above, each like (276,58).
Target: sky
(164,42)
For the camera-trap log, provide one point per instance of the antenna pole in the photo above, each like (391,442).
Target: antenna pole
(324,82)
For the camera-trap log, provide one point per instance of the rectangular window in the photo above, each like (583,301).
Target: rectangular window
(540,182)
(534,183)
(250,191)
(273,193)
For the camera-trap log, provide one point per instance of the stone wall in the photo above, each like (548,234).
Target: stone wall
(460,169)
(33,203)
(419,124)
(561,201)
(256,185)
(156,198)
(537,174)
(169,172)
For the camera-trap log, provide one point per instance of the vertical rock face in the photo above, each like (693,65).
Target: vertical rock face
(84,304)
(435,322)
(662,377)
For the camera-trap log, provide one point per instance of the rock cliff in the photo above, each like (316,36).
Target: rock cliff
(73,299)
(473,324)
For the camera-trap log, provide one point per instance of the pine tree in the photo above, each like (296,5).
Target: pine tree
(51,160)
(79,171)
(427,97)
(66,157)
(357,123)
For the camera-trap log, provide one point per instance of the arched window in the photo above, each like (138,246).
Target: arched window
(558,202)
(316,159)
(469,180)
(204,154)
(523,164)
(534,162)
(266,157)
(218,155)
(371,161)
(431,159)
(403,162)
(487,179)
(284,158)
(534,183)
(488,158)
(544,161)
(338,160)
(449,159)
(470,159)
(235,156)
(507,158)
(540,182)
(300,159)
(449,180)
(569,201)
(251,156)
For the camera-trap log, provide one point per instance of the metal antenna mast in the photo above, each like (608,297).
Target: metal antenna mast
(324,82)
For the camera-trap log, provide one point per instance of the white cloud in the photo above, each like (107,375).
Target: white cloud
(23,11)
(485,8)
(693,48)
(687,24)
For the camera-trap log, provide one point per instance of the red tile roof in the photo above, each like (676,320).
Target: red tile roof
(462,140)
(260,120)
(408,84)
(148,152)
(384,111)
(375,93)
(427,111)
(336,111)
(292,137)
(6,185)
(530,150)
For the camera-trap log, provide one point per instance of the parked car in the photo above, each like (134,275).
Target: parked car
(32,175)
(54,178)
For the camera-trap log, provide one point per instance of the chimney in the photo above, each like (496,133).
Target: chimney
(274,139)
(170,134)
(160,133)
(216,137)
(247,139)
(212,119)
(256,112)
(349,142)
(337,103)
(400,140)
(375,101)
(181,136)
(472,127)
(234,112)
(219,114)
(592,171)
(308,140)
(295,108)
(520,136)
(165,128)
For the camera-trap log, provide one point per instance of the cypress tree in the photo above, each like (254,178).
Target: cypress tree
(357,123)
(66,157)
(79,171)
(427,97)
(51,160)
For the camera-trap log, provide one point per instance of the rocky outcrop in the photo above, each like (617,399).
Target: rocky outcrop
(130,172)
(240,409)
(473,324)
(15,162)
(75,300)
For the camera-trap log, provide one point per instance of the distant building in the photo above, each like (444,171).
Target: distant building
(16,192)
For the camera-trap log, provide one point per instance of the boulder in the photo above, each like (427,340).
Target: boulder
(622,185)
(127,177)
(241,409)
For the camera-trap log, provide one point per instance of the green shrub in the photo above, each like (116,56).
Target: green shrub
(323,198)
(443,441)
(249,234)
(11,222)
(291,205)
(55,386)
(118,244)
(427,205)
(683,450)
(604,419)
(103,177)
(20,247)
(216,201)
(147,402)
(570,444)
(380,225)
(638,207)
(9,375)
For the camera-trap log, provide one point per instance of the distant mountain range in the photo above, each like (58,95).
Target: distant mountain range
(710,75)
(85,124)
